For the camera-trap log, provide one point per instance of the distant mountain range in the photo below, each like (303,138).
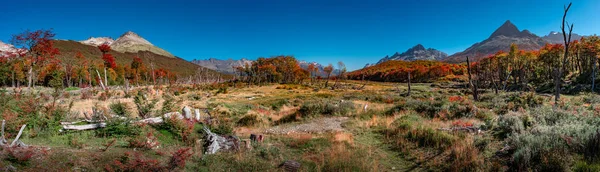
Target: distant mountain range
(418,52)
(223,66)
(500,39)
(557,37)
(6,49)
(129,42)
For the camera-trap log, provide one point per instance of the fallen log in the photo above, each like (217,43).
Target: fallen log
(84,127)
(215,143)
(151,120)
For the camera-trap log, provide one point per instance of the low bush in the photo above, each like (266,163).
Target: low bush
(119,127)
(249,121)
(144,141)
(509,124)
(549,140)
(326,107)
(183,129)
(119,109)
(464,156)
(169,105)
(411,128)
(144,105)
(583,166)
(591,148)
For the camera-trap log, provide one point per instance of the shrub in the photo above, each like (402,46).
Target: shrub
(222,129)
(583,166)
(550,141)
(135,162)
(19,155)
(181,128)
(179,158)
(249,120)
(326,107)
(523,100)
(410,128)
(509,124)
(119,127)
(74,142)
(119,109)
(169,105)
(276,105)
(591,148)
(429,108)
(144,141)
(464,156)
(341,158)
(144,104)
(222,90)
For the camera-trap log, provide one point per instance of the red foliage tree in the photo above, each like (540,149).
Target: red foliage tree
(109,61)
(104,48)
(39,48)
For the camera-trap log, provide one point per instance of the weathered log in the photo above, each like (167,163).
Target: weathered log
(215,143)
(3,140)
(151,120)
(84,127)
(18,136)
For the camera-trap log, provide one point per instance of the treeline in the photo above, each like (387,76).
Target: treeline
(35,63)
(420,71)
(537,70)
(282,69)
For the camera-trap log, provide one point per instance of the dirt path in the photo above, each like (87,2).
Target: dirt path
(317,126)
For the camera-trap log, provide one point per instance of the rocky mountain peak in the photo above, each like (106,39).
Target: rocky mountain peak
(507,29)
(501,39)
(418,47)
(132,37)
(98,41)
(417,52)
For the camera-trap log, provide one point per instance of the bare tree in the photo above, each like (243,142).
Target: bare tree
(328,69)
(471,85)
(567,39)
(341,72)
(408,94)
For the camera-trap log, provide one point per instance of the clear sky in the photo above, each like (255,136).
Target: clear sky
(325,31)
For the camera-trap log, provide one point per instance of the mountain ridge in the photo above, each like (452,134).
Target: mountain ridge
(499,40)
(129,42)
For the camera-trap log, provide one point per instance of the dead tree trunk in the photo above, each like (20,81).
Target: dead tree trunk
(594,74)
(408,94)
(567,40)
(474,89)
(214,142)
(100,79)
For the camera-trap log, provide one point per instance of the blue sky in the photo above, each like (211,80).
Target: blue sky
(356,32)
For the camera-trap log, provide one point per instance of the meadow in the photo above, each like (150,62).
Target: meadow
(359,126)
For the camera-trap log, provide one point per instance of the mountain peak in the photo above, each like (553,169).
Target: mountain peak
(98,41)
(507,29)
(418,47)
(417,52)
(130,33)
